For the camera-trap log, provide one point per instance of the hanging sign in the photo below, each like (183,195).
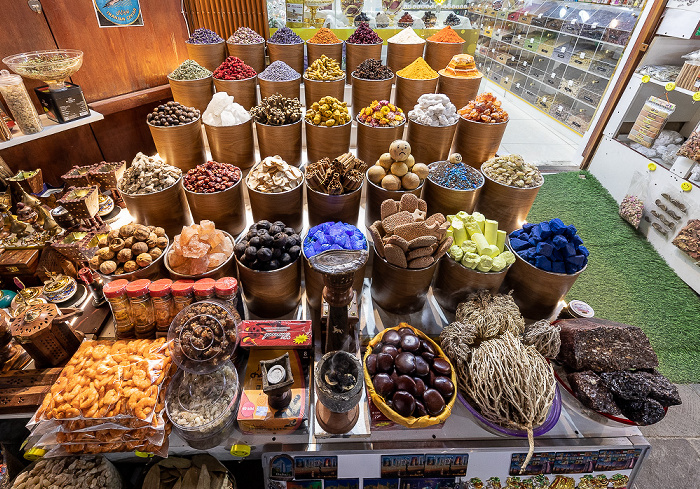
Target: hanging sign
(118,13)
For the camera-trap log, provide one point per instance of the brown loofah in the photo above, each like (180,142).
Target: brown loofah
(418,252)
(398,241)
(411,230)
(422,241)
(437,217)
(395,256)
(389,223)
(389,207)
(443,248)
(409,202)
(422,205)
(374,230)
(422,262)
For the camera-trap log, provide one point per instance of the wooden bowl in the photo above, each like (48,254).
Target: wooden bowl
(364,92)
(226,269)
(315,90)
(400,290)
(327,141)
(245,92)
(252,54)
(454,282)
(315,51)
(168,208)
(287,207)
(449,201)
(430,143)
(408,91)
(289,89)
(232,144)
(181,146)
(208,55)
(226,208)
(280,140)
(376,195)
(193,93)
(373,141)
(460,91)
(477,141)
(153,271)
(439,54)
(323,207)
(357,53)
(292,54)
(271,294)
(399,56)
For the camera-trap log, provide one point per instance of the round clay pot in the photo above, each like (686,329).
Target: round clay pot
(315,90)
(232,144)
(286,206)
(460,91)
(252,54)
(372,142)
(449,201)
(284,141)
(376,195)
(167,208)
(398,56)
(439,54)
(477,141)
(226,208)
(289,88)
(181,146)
(193,93)
(271,294)
(364,92)
(315,51)
(324,207)
(430,143)
(357,53)
(209,56)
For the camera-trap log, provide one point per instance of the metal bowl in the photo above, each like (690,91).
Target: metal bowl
(52,66)
(226,269)
(151,272)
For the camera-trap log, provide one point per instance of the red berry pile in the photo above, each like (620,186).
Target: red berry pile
(233,68)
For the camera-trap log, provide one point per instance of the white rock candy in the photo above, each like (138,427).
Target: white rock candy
(434,110)
(223,111)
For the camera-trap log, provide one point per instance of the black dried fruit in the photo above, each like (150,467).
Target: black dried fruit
(391,350)
(442,366)
(404,403)
(251,252)
(406,363)
(391,337)
(383,385)
(422,367)
(444,386)
(406,383)
(371,363)
(385,362)
(410,342)
(434,402)
(264,254)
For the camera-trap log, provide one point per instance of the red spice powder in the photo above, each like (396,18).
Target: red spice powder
(447,34)
(324,36)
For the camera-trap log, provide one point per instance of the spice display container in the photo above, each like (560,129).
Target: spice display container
(459,90)
(226,207)
(115,293)
(162,299)
(430,143)
(193,93)
(398,56)
(285,206)
(284,141)
(376,195)
(182,145)
(439,54)
(356,54)
(324,207)
(167,208)
(209,55)
(477,141)
(31,181)
(324,141)
(373,141)
(245,92)
(232,144)
(408,91)
(288,88)
(315,51)
(315,90)
(21,106)
(274,293)
(252,54)
(292,54)
(449,201)
(183,294)
(364,92)
(225,269)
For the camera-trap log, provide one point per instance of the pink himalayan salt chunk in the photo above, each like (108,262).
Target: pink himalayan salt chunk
(175,259)
(216,259)
(195,248)
(193,266)
(188,232)
(207,231)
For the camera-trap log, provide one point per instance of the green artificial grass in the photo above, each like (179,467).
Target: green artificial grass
(626,279)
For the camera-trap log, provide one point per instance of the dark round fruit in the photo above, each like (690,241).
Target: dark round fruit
(442,366)
(378,347)
(255,241)
(428,356)
(383,385)
(420,410)
(391,350)
(404,403)
(434,402)
(410,343)
(391,337)
(384,362)
(406,330)
(428,347)
(406,383)
(420,386)
(394,376)
(371,363)
(444,386)
(422,367)
(405,363)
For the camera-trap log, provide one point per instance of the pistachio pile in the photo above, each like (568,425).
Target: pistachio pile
(277,110)
(129,248)
(513,171)
(148,175)
(329,111)
(324,69)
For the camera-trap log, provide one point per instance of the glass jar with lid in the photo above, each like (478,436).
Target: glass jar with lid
(204,289)
(141,308)
(226,289)
(115,293)
(21,106)
(162,298)
(183,295)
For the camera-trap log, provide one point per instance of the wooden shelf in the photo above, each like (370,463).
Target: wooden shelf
(50,127)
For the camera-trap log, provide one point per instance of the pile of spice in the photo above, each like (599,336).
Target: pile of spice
(382,20)
(373,69)
(268,246)
(324,36)
(204,36)
(333,236)
(452,20)
(397,169)
(245,35)
(172,114)
(285,36)
(364,35)
(199,248)
(381,113)
(274,175)
(418,70)
(455,175)
(406,36)
(324,69)
(147,175)
(513,171)
(434,109)
(461,66)
(447,34)
(329,111)
(233,68)
(278,71)
(340,176)
(406,20)
(429,19)
(484,108)
(277,110)
(223,111)
(211,177)
(190,70)
(478,243)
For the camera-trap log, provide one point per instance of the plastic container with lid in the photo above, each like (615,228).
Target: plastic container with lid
(204,289)
(202,406)
(162,299)
(15,94)
(226,289)
(141,308)
(202,336)
(183,295)
(115,293)
(577,309)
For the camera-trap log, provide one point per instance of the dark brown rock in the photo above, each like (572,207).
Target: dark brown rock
(591,391)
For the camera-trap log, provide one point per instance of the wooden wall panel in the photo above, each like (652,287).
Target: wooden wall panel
(225,16)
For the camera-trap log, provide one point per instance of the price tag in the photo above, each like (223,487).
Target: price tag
(532,39)
(563,49)
(646,79)
(544,99)
(34,454)
(517,85)
(686,187)
(696,96)
(652,166)
(570,83)
(670,86)
(582,55)
(524,63)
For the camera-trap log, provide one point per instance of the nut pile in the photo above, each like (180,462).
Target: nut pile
(268,246)
(406,238)
(381,113)
(484,108)
(513,171)
(172,114)
(212,177)
(129,248)
(397,169)
(373,69)
(199,248)
(324,69)
(277,110)
(147,175)
(223,111)
(273,175)
(688,239)
(434,109)
(203,399)
(342,175)
(65,472)
(329,111)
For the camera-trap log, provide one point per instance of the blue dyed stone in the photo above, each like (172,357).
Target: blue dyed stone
(537,233)
(559,242)
(543,263)
(519,244)
(557,226)
(527,227)
(577,261)
(576,240)
(559,267)
(558,255)
(545,230)
(583,250)
(570,231)
(544,249)
(324,247)
(533,241)
(570,249)
(516,234)
(527,254)
(336,247)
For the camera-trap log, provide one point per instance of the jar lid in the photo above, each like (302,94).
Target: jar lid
(205,281)
(7,78)
(182,288)
(160,288)
(204,288)
(115,288)
(226,286)
(580,309)
(137,287)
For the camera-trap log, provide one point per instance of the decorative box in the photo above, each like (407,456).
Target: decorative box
(31,181)
(81,202)
(78,176)
(78,246)
(106,175)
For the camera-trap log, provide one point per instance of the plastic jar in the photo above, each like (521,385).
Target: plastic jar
(115,293)
(183,295)
(15,94)
(141,308)
(204,289)
(226,289)
(162,299)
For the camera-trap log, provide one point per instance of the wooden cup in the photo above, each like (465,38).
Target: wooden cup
(408,91)
(373,141)
(252,54)
(376,195)
(439,54)
(313,283)
(181,146)
(271,294)
(364,92)
(460,91)
(208,55)
(226,208)
(399,56)
(292,54)
(327,141)
(315,51)
(477,141)
(454,282)
(287,207)
(449,201)
(245,92)
(507,205)
(193,93)
(323,207)
(430,143)
(280,140)
(357,53)
(289,89)
(232,144)
(167,208)
(400,290)
(315,90)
